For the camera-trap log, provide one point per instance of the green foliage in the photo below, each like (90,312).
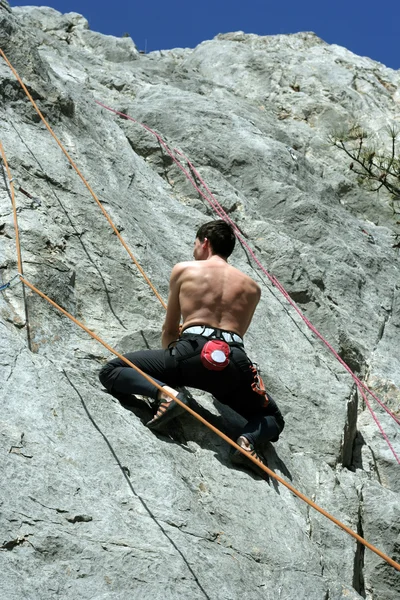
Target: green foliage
(375,167)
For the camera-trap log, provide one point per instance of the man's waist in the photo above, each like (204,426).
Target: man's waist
(214,333)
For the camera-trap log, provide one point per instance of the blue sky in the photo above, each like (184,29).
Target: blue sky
(365,27)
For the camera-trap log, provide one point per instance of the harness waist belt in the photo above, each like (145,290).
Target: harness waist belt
(215,333)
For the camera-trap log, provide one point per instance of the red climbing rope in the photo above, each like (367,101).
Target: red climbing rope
(361,386)
(216,206)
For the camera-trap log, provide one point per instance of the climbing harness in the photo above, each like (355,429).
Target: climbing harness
(215,333)
(179,401)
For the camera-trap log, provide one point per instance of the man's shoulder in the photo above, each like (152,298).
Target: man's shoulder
(181,267)
(245,277)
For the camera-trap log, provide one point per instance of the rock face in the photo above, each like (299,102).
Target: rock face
(93,505)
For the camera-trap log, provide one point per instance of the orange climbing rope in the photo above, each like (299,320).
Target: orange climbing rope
(14,207)
(117,233)
(268,471)
(300,495)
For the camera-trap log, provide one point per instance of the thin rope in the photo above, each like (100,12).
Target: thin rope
(360,385)
(221,212)
(216,206)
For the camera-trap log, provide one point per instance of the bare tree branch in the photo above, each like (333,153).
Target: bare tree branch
(373,165)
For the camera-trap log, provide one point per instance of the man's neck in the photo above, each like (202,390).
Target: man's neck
(216,257)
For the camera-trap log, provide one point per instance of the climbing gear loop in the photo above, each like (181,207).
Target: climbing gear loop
(258,384)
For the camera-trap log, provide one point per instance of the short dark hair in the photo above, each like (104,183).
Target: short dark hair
(220,235)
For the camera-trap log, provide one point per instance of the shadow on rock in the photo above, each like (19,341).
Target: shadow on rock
(140,408)
(184,429)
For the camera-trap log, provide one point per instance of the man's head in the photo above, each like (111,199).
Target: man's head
(214,237)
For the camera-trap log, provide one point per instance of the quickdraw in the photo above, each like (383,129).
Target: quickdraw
(11,283)
(258,384)
(36,202)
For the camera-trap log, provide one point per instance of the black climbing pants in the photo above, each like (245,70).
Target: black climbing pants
(182,366)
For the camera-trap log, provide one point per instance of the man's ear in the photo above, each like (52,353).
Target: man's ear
(206,243)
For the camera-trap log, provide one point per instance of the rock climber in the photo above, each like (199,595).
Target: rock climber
(216,303)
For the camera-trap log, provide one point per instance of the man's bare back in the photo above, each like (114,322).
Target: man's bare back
(215,293)
(208,291)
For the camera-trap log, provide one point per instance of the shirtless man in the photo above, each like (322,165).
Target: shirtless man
(216,303)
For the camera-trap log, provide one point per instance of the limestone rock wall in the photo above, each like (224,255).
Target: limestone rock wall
(93,504)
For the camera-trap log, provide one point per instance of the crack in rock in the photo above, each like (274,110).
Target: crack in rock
(358,568)
(80,519)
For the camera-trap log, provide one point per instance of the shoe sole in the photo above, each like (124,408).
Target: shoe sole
(174,410)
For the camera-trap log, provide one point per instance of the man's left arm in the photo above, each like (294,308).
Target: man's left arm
(170,329)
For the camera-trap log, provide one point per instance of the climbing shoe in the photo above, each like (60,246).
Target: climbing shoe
(168,410)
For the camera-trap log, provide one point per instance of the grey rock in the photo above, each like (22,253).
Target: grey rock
(93,504)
